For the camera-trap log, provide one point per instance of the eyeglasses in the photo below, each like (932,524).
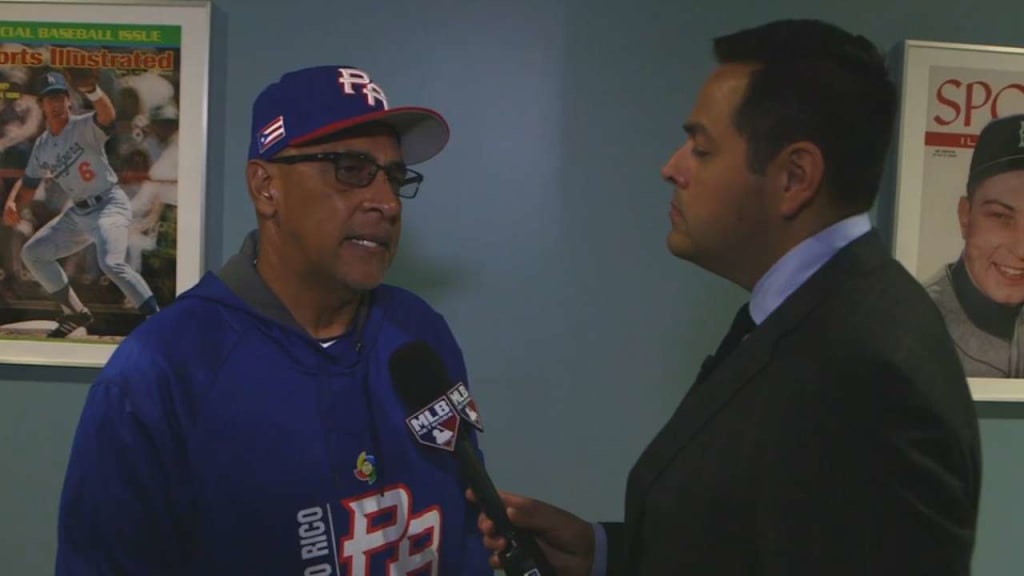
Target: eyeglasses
(359,170)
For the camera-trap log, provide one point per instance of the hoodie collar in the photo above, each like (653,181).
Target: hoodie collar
(239,274)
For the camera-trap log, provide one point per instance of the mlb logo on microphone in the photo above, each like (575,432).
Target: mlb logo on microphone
(464,403)
(436,425)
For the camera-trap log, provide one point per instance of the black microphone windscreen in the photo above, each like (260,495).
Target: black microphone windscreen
(421,380)
(418,374)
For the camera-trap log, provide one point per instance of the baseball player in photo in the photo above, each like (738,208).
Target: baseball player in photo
(71,151)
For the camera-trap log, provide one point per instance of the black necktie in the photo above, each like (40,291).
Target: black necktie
(742,324)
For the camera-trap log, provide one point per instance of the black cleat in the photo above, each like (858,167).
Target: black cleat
(68,323)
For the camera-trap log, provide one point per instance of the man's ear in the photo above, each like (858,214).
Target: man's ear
(261,188)
(801,169)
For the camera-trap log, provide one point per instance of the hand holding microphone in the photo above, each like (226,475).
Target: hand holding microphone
(566,539)
(437,407)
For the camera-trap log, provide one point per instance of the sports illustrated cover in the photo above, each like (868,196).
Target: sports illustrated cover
(89,117)
(962,102)
(958,218)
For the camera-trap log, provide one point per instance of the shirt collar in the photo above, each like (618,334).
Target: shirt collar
(797,265)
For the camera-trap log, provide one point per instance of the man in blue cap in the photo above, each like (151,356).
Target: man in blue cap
(252,426)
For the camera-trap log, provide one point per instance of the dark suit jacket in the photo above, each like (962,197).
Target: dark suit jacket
(840,438)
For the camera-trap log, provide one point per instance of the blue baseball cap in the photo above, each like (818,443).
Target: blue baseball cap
(307,104)
(53,82)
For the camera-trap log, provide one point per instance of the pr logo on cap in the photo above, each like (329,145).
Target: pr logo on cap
(347,77)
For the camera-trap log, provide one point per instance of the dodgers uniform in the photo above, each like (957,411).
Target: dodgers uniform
(99,211)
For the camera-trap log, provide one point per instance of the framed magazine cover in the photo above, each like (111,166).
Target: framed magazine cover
(949,92)
(115,223)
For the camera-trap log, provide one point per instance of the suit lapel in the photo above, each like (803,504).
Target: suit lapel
(699,405)
(703,402)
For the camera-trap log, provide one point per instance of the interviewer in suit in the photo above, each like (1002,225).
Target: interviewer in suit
(839,437)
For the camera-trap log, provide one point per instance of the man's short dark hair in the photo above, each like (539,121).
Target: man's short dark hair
(816,82)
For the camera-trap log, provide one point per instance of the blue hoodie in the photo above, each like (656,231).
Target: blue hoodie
(221,438)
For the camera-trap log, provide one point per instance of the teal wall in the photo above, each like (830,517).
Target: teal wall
(539,232)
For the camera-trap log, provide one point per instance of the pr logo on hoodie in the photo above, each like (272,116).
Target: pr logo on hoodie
(381,530)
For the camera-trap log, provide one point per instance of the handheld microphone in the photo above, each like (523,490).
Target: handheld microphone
(422,382)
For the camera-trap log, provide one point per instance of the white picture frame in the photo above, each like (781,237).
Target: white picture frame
(948,92)
(128,28)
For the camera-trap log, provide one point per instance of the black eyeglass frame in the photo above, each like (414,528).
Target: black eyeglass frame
(410,177)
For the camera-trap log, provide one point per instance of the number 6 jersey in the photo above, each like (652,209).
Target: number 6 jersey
(75,158)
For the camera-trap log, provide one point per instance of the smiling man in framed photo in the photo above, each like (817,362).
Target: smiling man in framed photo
(981,294)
